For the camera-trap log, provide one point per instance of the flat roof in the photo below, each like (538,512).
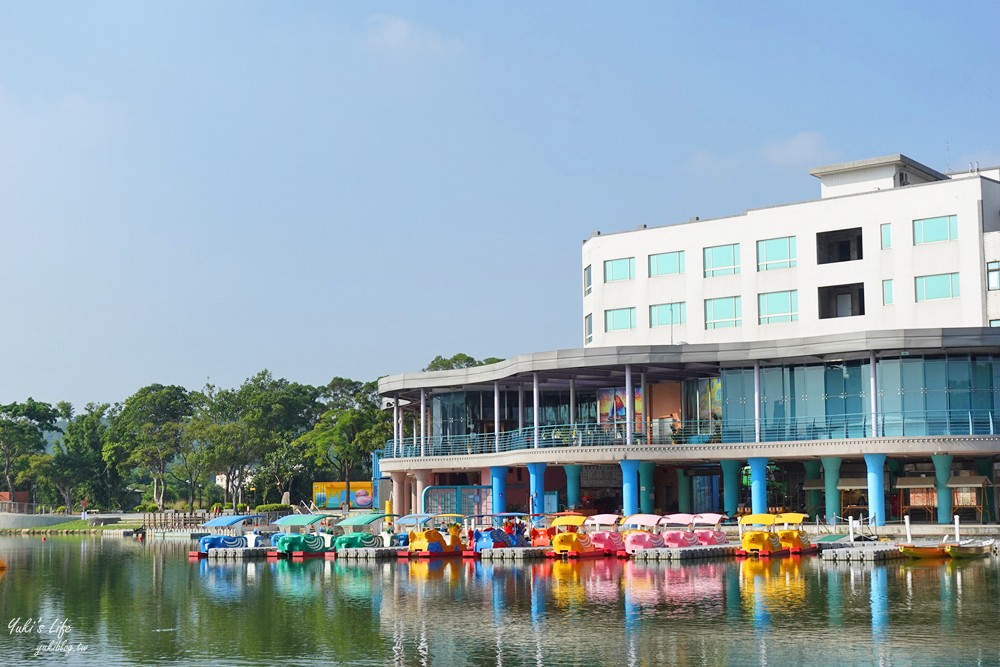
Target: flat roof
(885,160)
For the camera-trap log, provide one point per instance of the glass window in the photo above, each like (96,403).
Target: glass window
(619,319)
(940,286)
(723,313)
(587,280)
(886,292)
(619,269)
(886,236)
(588,328)
(666,263)
(722,260)
(665,314)
(778,307)
(993,275)
(776,254)
(932,230)
(995,323)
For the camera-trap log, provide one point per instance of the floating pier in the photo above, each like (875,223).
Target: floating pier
(687,553)
(371,553)
(244,553)
(514,553)
(859,551)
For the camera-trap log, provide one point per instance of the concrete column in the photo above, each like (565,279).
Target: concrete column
(831,478)
(629,406)
(399,504)
(758,484)
(423,430)
(873,390)
(520,408)
(395,426)
(647,498)
(756,403)
(630,487)
(876,488)
(536,402)
(498,474)
(812,497)
(942,473)
(731,486)
(423,478)
(645,409)
(684,501)
(572,401)
(572,471)
(536,476)
(496,416)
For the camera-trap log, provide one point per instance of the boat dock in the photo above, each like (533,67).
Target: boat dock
(371,553)
(514,553)
(687,553)
(859,551)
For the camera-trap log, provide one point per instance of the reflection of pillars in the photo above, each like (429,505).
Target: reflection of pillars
(734,599)
(630,487)
(499,479)
(942,473)
(831,479)
(879,603)
(633,611)
(834,598)
(761,616)
(683,491)
(812,497)
(646,470)
(536,476)
(985,467)
(758,484)
(876,488)
(423,478)
(572,484)
(947,601)
(399,505)
(731,486)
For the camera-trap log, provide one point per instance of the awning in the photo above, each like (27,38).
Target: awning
(226,521)
(915,483)
(814,485)
(301,519)
(364,519)
(852,483)
(970,481)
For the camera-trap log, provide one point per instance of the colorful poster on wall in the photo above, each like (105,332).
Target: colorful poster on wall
(333,495)
(611,406)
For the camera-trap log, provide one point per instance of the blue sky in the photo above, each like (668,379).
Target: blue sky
(194,191)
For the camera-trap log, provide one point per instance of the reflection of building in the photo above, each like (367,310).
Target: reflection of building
(793,338)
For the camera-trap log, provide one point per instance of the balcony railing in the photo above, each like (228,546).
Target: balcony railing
(704,432)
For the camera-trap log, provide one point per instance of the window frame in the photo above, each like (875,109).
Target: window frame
(611,264)
(610,312)
(679,263)
(920,287)
(888,296)
(675,307)
(791,315)
(731,269)
(920,237)
(790,261)
(737,319)
(885,229)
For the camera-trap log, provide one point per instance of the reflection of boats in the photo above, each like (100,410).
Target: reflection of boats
(792,536)
(236,522)
(364,531)
(682,535)
(609,541)
(969,548)
(712,534)
(641,533)
(569,541)
(757,536)
(431,542)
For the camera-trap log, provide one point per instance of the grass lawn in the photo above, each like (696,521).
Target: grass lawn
(80,524)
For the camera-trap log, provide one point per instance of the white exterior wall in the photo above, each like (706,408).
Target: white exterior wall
(976,202)
(858,181)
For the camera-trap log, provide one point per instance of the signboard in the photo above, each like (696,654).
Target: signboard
(333,495)
(601,476)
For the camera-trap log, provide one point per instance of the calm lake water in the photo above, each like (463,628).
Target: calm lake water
(88,601)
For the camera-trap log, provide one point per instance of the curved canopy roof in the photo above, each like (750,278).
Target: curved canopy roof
(301,519)
(644,520)
(709,519)
(604,519)
(757,519)
(364,519)
(226,521)
(568,520)
(678,519)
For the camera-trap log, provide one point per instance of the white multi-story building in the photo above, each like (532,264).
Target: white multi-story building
(891,244)
(835,354)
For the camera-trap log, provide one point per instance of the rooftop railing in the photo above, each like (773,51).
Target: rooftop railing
(705,432)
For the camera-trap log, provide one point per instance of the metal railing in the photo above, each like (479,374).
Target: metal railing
(26,508)
(706,431)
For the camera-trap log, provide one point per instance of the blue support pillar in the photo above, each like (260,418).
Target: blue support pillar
(731,486)
(876,488)
(684,504)
(498,475)
(536,476)
(646,496)
(758,484)
(630,487)
(831,479)
(572,484)
(812,497)
(942,473)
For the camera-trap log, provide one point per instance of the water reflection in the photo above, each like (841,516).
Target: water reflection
(145,603)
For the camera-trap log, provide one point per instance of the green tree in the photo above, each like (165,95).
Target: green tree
(79,452)
(194,455)
(149,429)
(22,432)
(460,360)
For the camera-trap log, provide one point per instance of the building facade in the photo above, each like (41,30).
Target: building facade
(837,355)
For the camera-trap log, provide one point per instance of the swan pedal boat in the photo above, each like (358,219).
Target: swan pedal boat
(248,539)
(364,531)
(792,536)
(492,532)
(305,544)
(609,540)
(568,541)
(641,533)
(431,542)
(757,537)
